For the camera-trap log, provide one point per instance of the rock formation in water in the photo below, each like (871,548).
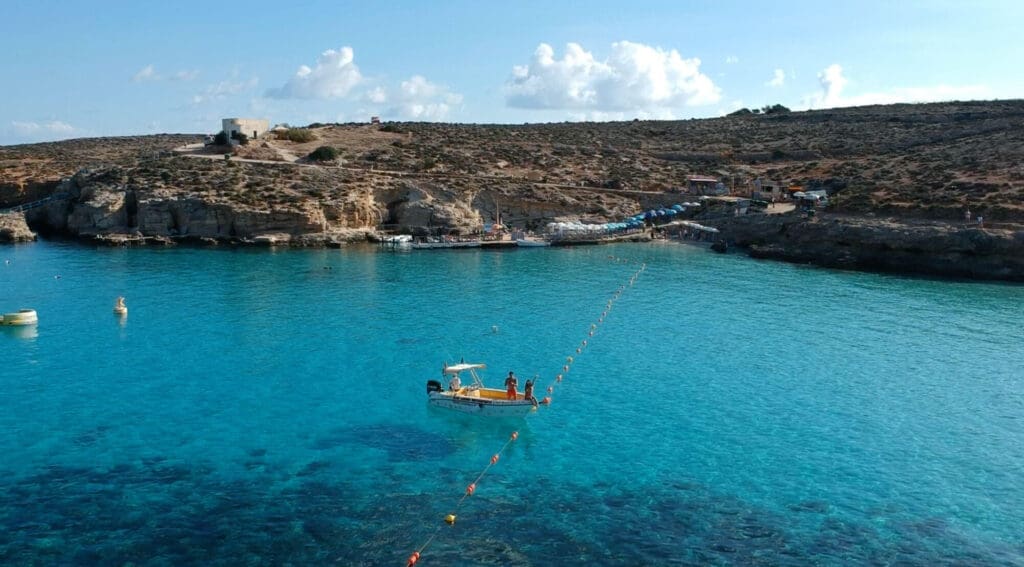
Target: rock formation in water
(13,228)
(864,243)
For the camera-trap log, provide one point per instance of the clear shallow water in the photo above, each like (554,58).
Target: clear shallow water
(267,407)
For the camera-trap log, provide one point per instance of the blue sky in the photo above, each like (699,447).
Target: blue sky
(79,69)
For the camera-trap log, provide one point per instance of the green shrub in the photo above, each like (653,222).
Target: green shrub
(297,135)
(221,139)
(775,109)
(324,153)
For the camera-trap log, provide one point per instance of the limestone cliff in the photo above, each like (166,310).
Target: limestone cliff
(861,243)
(13,228)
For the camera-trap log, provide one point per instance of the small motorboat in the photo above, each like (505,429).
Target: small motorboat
(397,240)
(531,242)
(119,307)
(21,317)
(475,397)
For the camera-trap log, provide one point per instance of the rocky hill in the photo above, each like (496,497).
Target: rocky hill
(902,162)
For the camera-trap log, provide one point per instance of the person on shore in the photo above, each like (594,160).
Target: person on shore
(510,385)
(528,391)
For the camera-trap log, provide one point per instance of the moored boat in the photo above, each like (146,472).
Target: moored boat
(20,318)
(432,244)
(532,242)
(475,397)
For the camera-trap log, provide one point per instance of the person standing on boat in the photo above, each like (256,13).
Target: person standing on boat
(510,385)
(454,384)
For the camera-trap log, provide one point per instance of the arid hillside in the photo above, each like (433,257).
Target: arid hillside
(914,161)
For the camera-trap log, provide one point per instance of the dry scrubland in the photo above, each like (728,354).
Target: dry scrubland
(918,161)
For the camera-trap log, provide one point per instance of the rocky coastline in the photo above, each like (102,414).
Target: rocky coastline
(899,178)
(865,243)
(14,229)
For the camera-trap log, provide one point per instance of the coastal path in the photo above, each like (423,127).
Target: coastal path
(37,203)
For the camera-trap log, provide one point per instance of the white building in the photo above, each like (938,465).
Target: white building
(251,127)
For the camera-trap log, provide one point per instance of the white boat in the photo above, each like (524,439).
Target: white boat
(398,239)
(531,242)
(433,244)
(475,397)
(20,318)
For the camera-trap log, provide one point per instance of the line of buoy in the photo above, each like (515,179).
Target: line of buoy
(451,517)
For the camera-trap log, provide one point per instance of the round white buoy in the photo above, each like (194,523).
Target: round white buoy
(494,329)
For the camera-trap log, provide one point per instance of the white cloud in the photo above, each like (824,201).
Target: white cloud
(416,99)
(833,84)
(377,95)
(224,89)
(634,78)
(35,128)
(147,73)
(778,79)
(185,75)
(334,76)
(732,60)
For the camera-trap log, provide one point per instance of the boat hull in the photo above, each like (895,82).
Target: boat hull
(19,318)
(525,243)
(481,405)
(445,245)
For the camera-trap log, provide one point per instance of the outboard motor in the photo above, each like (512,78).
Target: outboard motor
(434,386)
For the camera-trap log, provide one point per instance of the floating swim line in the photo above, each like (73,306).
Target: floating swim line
(452,516)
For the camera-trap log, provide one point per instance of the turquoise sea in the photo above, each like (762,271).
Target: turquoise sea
(263,407)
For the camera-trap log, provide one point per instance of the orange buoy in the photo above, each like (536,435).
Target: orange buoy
(494,459)
(515,435)
(546,401)
(413,559)
(470,489)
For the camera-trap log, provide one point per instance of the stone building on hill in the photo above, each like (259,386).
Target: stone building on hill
(251,127)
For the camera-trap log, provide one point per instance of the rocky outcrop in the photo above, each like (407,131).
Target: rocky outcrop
(13,228)
(860,243)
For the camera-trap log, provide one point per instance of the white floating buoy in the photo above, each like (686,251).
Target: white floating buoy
(494,328)
(119,307)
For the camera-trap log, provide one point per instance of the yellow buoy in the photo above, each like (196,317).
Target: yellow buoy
(119,307)
(450,519)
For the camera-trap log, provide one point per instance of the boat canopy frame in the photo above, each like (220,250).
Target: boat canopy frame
(456,369)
